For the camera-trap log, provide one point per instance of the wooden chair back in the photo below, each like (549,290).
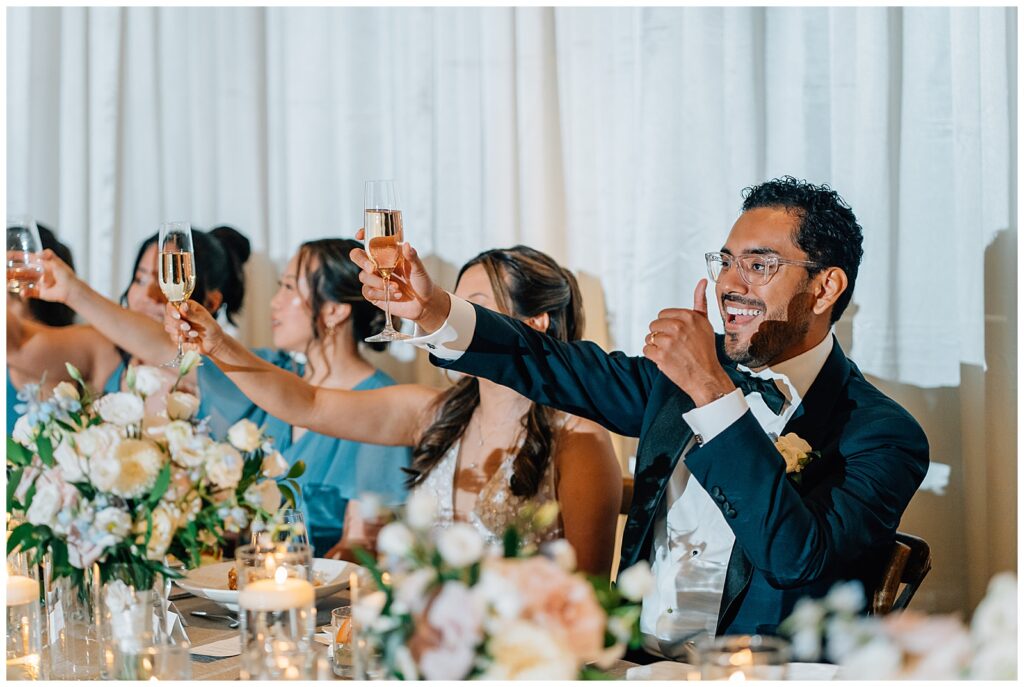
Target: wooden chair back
(909,563)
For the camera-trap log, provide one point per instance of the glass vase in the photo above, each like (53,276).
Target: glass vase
(132,613)
(73,648)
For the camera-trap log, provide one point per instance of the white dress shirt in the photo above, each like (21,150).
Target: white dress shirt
(692,541)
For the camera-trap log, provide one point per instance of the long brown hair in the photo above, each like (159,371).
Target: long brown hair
(526,283)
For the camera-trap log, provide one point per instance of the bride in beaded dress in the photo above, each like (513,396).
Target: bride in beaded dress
(484,451)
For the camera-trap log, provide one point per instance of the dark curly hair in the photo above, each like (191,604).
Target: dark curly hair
(526,283)
(828,231)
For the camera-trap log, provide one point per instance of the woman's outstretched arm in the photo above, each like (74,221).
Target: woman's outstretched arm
(392,416)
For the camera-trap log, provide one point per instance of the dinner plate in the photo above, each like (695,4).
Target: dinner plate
(211,581)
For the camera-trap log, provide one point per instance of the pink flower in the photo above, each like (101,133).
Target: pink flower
(563,604)
(447,645)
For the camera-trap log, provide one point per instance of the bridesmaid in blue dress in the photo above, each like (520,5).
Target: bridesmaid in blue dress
(318,314)
(115,336)
(43,312)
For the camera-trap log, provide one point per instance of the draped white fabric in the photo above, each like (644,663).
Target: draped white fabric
(617,139)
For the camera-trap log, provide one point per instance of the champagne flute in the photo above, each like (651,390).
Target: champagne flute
(382,224)
(177,272)
(24,263)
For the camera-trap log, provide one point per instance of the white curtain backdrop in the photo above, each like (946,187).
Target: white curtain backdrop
(616,139)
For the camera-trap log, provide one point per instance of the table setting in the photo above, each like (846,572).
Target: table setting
(177,557)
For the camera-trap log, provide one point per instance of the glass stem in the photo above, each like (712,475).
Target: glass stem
(387,305)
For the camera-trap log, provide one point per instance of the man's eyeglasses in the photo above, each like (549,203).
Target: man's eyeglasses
(756,270)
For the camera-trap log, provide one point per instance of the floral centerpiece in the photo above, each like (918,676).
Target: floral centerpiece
(96,480)
(908,645)
(450,608)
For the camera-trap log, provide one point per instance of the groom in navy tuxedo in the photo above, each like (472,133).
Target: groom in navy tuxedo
(768,468)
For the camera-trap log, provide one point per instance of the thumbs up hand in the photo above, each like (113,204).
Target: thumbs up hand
(681,343)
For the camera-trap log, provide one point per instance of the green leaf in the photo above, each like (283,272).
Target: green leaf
(510,542)
(13,480)
(163,480)
(45,450)
(297,470)
(21,534)
(17,454)
(592,673)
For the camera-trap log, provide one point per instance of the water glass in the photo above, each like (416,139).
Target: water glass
(24,619)
(24,264)
(742,657)
(342,658)
(277,610)
(163,661)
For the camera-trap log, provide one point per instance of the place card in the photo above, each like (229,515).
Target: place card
(224,648)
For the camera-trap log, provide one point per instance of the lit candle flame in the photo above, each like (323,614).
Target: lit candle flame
(280,575)
(738,676)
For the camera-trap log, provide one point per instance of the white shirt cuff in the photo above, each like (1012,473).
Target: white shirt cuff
(708,421)
(452,338)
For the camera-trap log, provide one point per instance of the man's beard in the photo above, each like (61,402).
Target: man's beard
(779,329)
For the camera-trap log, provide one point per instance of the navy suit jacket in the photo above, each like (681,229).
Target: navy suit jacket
(791,540)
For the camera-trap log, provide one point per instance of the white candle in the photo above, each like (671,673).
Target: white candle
(21,590)
(280,594)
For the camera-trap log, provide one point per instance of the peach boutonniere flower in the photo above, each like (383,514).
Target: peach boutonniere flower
(796,452)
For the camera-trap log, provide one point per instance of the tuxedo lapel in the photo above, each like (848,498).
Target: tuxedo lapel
(657,455)
(810,421)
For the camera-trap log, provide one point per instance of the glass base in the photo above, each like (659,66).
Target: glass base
(387,335)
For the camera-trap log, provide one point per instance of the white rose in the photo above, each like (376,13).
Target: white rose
(104,470)
(265,495)
(411,591)
(846,597)
(996,616)
(98,440)
(23,432)
(114,522)
(421,510)
(369,608)
(245,436)
(46,503)
(66,391)
(193,452)
(121,408)
(148,380)
(223,465)
(562,553)
(460,545)
(140,463)
(274,465)
(181,405)
(369,506)
(165,524)
(879,659)
(70,464)
(395,539)
(794,451)
(634,582)
(524,651)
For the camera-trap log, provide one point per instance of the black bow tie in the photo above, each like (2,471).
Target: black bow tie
(748,384)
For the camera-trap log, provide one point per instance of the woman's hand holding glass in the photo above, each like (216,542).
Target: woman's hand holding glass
(59,282)
(193,325)
(413,294)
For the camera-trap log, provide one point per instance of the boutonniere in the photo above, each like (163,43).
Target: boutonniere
(797,453)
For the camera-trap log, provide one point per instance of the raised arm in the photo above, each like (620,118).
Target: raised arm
(589,493)
(35,351)
(579,377)
(136,333)
(392,416)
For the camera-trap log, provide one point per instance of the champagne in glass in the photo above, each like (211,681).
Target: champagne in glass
(382,224)
(24,264)
(177,273)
